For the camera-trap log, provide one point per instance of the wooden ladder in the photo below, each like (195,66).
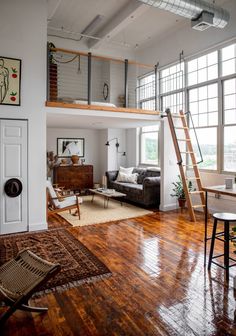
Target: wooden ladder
(182,167)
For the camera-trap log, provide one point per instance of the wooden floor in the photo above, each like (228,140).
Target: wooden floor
(158,285)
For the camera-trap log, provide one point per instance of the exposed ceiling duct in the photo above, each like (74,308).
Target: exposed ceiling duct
(194,9)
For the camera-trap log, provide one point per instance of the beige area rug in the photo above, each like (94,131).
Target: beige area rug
(94,212)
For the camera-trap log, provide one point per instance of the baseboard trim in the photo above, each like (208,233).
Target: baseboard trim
(38,227)
(168,207)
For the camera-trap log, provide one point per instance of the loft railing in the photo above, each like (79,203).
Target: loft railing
(84,78)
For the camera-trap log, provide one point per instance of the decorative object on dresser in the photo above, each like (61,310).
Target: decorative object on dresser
(76,178)
(66,147)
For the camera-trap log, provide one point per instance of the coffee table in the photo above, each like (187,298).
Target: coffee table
(107,194)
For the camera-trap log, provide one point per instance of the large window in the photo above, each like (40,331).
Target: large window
(208,87)
(146,92)
(149,145)
(229,94)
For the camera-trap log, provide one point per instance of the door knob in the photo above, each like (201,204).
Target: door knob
(13,187)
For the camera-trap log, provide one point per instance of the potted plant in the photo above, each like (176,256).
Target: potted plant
(179,191)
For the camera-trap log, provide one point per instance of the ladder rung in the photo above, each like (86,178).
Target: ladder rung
(192,178)
(187,152)
(177,116)
(183,139)
(196,192)
(194,165)
(178,127)
(198,206)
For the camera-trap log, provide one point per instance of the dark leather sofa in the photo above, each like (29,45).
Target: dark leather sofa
(147,190)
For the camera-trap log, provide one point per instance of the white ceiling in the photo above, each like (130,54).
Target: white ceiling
(59,120)
(125,23)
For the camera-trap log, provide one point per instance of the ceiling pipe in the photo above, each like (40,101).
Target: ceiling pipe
(192,9)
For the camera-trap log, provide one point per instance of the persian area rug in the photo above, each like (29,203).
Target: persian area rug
(78,264)
(94,212)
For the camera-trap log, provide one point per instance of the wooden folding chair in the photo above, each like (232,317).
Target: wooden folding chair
(20,278)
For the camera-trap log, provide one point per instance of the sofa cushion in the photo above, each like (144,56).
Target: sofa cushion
(127,178)
(141,174)
(126,170)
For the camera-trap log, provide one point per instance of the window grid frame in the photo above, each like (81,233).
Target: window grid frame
(185,91)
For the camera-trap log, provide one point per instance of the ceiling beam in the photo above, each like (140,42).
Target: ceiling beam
(118,22)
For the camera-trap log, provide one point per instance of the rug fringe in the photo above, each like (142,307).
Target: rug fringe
(71,284)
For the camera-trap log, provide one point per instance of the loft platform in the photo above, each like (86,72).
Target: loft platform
(100,108)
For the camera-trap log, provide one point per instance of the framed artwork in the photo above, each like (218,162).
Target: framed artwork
(10,81)
(70,146)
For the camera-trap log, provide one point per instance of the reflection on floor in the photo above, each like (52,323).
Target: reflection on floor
(158,287)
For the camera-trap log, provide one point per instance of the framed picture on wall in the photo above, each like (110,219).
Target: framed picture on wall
(10,81)
(70,146)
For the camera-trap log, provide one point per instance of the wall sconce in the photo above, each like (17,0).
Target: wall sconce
(117,146)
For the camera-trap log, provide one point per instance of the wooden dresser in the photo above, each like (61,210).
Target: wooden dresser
(74,177)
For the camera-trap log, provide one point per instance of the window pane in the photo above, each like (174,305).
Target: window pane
(149,148)
(175,102)
(192,78)
(228,52)
(230,117)
(202,92)
(230,86)
(212,72)
(193,108)
(213,119)
(229,91)
(228,67)
(202,75)
(207,103)
(230,101)
(203,106)
(207,138)
(171,79)
(212,105)
(192,65)
(212,58)
(203,68)
(193,95)
(202,62)
(212,91)
(230,148)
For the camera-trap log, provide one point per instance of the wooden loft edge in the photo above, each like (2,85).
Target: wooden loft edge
(100,108)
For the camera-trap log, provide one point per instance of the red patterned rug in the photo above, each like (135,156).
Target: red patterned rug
(78,263)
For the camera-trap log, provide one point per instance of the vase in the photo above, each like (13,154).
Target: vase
(182,202)
(75,159)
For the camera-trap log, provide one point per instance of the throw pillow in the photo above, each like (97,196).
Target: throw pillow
(126,171)
(131,178)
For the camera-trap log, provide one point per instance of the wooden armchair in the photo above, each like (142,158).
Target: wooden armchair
(57,203)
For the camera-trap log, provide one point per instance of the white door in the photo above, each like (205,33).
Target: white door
(13,174)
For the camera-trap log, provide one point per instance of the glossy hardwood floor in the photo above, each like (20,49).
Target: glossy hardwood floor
(158,285)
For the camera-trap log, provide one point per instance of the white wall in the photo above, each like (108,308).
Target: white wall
(103,152)
(132,147)
(115,160)
(23,34)
(91,140)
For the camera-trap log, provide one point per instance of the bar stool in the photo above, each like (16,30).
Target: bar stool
(226,218)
